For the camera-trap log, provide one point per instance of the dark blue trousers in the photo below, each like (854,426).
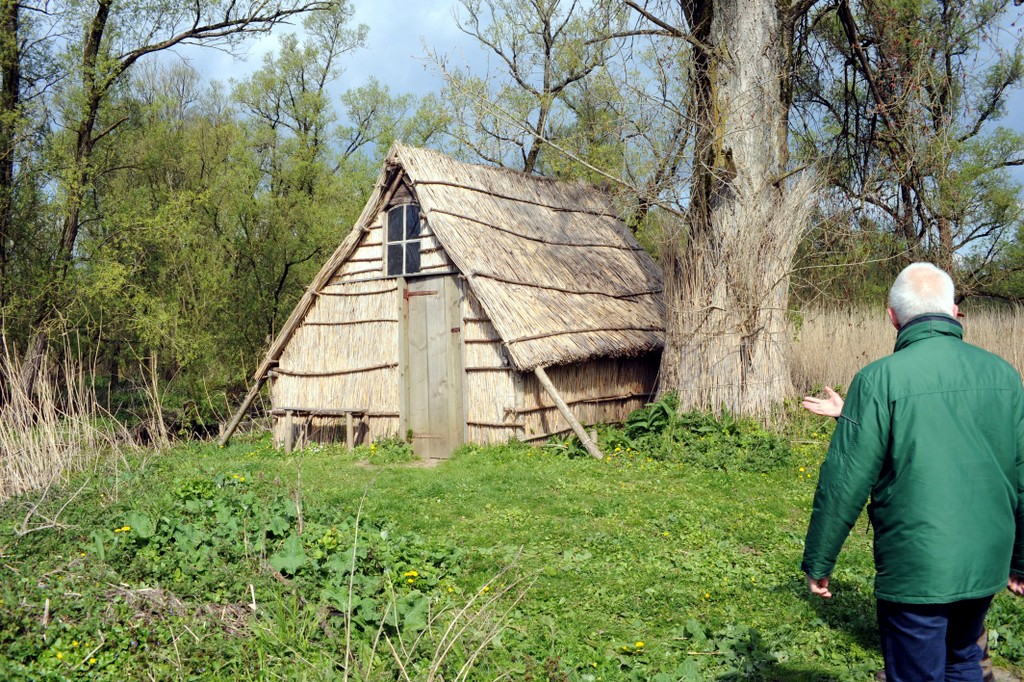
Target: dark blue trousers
(932,642)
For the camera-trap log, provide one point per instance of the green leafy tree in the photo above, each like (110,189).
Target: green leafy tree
(375,117)
(905,107)
(297,220)
(544,47)
(105,42)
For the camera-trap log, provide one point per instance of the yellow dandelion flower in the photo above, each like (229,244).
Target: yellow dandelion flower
(801,468)
(707,595)
(410,580)
(74,643)
(60,656)
(92,661)
(639,645)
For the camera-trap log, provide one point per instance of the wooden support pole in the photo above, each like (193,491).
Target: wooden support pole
(249,397)
(289,432)
(348,430)
(577,428)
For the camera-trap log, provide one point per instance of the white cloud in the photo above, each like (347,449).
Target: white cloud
(400,33)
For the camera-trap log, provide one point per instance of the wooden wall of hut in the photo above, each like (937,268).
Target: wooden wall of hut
(345,353)
(490,383)
(604,390)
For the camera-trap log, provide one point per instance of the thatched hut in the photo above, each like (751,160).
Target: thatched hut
(466,302)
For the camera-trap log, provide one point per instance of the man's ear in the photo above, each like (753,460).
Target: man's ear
(956,311)
(892,318)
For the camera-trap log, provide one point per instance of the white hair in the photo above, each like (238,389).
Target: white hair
(920,289)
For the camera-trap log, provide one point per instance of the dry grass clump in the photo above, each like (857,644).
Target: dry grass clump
(832,345)
(59,429)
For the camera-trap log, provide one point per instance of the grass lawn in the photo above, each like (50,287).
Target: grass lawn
(244,563)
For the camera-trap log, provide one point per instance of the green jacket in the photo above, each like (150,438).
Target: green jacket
(934,434)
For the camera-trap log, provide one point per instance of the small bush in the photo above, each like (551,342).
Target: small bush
(661,432)
(388,450)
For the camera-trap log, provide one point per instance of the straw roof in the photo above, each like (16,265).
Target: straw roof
(560,276)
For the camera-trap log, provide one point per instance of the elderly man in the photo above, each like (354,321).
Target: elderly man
(934,434)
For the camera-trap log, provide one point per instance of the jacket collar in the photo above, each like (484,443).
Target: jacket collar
(926,326)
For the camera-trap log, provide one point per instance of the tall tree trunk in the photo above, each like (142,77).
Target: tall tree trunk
(93,89)
(726,285)
(10,101)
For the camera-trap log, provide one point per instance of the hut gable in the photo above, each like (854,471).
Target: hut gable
(370,260)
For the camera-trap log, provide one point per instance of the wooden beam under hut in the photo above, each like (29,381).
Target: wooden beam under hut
(289,413)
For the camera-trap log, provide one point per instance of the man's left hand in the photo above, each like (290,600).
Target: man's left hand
(819,587)
(1016,585)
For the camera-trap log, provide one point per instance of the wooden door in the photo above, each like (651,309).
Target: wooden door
(431,365)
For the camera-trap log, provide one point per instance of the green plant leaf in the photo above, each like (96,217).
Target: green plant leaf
(413,610)
(291,557)
(278,525)
(142,525)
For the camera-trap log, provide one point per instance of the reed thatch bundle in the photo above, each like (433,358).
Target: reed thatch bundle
(560,276)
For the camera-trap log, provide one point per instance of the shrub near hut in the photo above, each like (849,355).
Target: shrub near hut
(700,439)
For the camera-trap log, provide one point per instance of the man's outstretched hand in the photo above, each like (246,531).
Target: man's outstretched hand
(832,406)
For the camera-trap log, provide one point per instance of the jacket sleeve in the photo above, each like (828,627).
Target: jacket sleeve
(1017,562)
(850,470)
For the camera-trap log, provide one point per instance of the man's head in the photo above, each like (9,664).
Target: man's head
(920,289)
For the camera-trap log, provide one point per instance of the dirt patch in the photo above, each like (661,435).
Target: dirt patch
(151,604)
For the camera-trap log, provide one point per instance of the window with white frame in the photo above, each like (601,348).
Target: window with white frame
(403,240)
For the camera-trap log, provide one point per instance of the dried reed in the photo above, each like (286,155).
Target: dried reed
(832,345)
(59,429)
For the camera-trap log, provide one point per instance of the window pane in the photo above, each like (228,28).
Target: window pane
(395,227)
(412,221)
(394,259)
(412,257)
